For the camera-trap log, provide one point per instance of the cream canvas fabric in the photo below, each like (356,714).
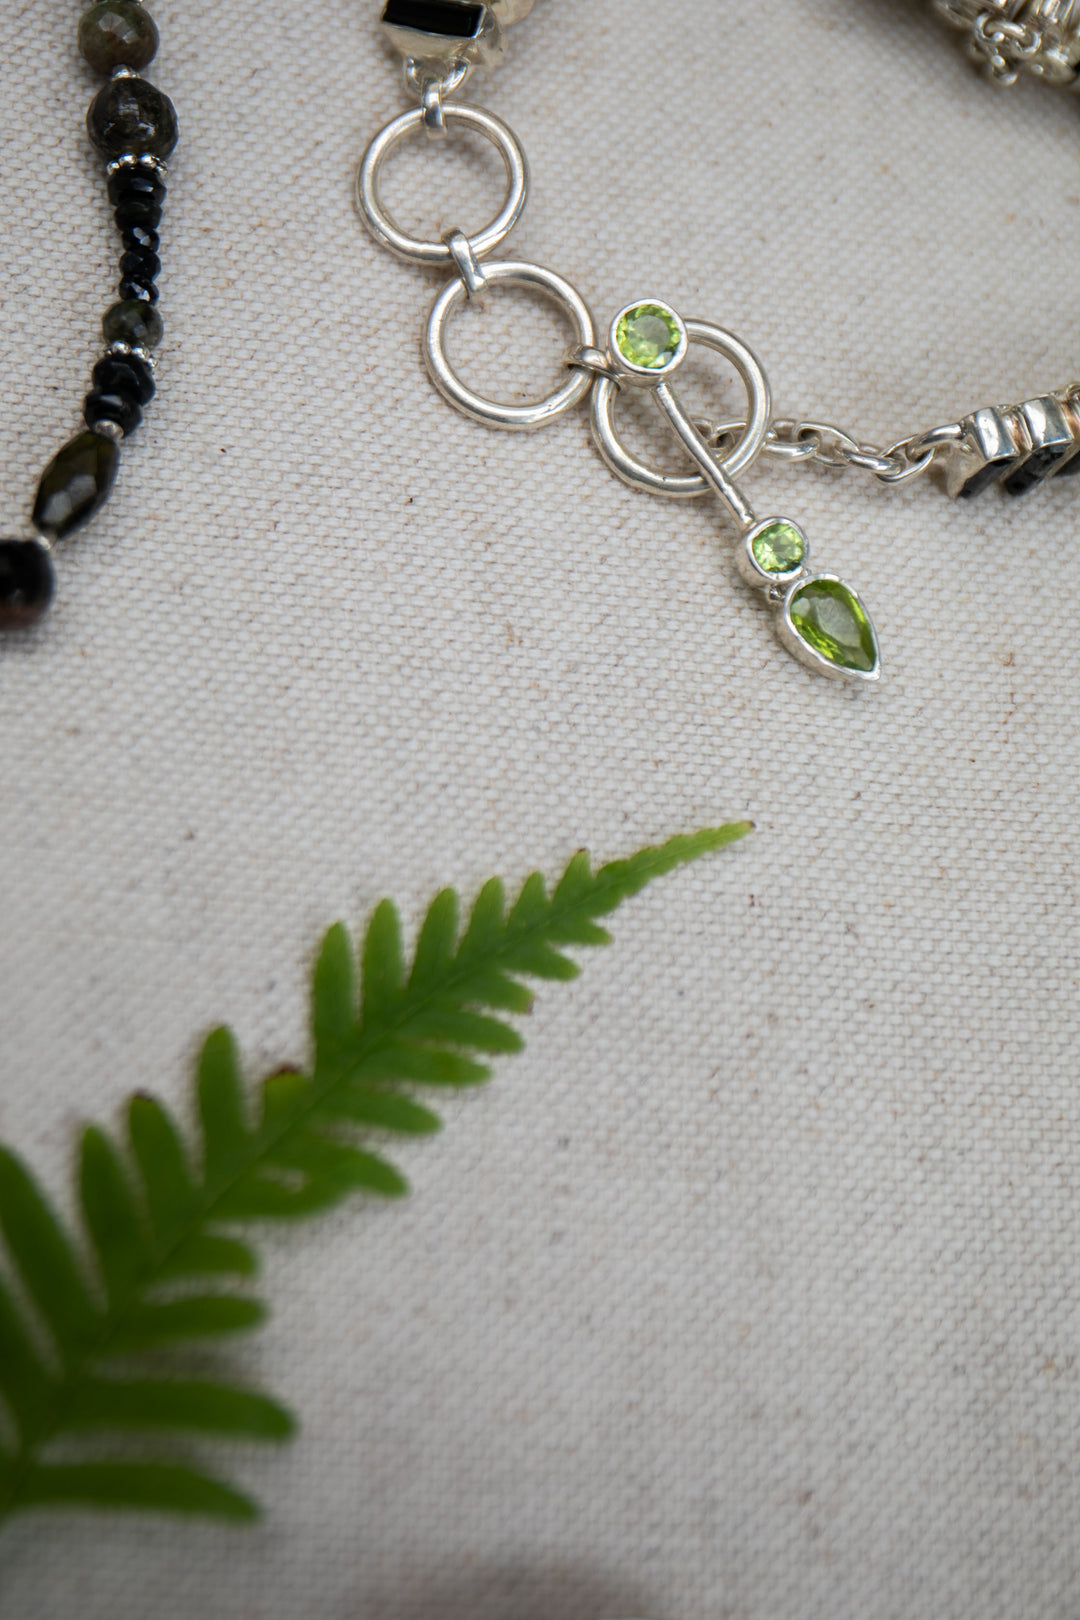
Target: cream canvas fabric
(750,1291)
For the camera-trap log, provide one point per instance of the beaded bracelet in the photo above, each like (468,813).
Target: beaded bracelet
(133,127)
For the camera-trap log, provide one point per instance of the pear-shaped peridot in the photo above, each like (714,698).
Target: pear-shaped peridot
(648,335)
(831,620)
(778,548)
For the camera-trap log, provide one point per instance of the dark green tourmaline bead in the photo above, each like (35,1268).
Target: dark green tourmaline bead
(26,583)
(132,116)
(133,321)
(117,33)
(75,483)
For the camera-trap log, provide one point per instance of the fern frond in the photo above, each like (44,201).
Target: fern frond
(159,1261)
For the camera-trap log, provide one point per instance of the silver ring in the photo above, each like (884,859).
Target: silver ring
(688,485)
(518,418)
(413,248)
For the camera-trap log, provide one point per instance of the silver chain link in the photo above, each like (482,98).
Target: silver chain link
(806,443)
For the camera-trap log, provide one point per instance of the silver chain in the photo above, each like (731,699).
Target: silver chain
(805,443)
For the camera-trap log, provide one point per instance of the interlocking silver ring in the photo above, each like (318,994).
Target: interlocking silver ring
(688,485)
(414,249)
(517,418)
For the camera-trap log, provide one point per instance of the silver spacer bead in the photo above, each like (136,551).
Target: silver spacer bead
(144,355)
(123,72)
(108,430)
(138,160)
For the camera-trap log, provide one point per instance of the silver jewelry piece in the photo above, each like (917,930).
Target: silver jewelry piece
(820,619)
(1010,37)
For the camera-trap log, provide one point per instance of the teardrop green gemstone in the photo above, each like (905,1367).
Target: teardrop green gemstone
(74,484)
(829,617)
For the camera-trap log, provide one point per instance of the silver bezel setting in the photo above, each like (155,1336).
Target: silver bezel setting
(647,376)
(482,49)
(751,570)
(792,641)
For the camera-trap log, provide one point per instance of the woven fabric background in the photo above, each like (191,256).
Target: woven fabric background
(751,1291)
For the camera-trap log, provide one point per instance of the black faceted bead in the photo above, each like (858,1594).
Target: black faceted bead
(139,264)
(117,33)
(134,321)
(132,115)
(146,291)
(142,237)
(118,408)
(137,211)
(75,483)
(136,181)
(125,374)
(26,582)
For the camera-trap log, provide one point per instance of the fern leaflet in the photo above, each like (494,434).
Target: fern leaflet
(159,1261)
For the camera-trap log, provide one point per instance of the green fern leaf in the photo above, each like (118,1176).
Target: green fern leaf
(146,1487)
(112,1403)
(159,1213)
(46,1260)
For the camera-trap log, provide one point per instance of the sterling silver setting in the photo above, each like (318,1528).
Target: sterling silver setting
(1017,447)
(805,654)
(750,569)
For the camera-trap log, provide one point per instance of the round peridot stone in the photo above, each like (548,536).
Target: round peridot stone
(779,548)
(648,335)
(829,617)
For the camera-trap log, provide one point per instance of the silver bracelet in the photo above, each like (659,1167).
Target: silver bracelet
(819,618)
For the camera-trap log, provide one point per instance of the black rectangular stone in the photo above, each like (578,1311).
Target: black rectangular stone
(443,17)
(981,480)
(1033,471)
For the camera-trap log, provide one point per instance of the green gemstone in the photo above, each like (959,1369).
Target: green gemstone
(779,549)
(830,618)
(648,336)
(74,484)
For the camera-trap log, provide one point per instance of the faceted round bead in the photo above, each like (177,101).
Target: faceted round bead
(129,183)
(132,116)
(139,264)
(75,483)
(102,407)
(137,211)
(648,336)
(26,583)
(125,374)
(142,237)
(134,321)
(144,290)
(779,548)
(117,33)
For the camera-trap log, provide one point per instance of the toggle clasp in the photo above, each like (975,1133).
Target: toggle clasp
(821,621)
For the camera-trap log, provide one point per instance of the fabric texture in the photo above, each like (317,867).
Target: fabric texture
(749,1291)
